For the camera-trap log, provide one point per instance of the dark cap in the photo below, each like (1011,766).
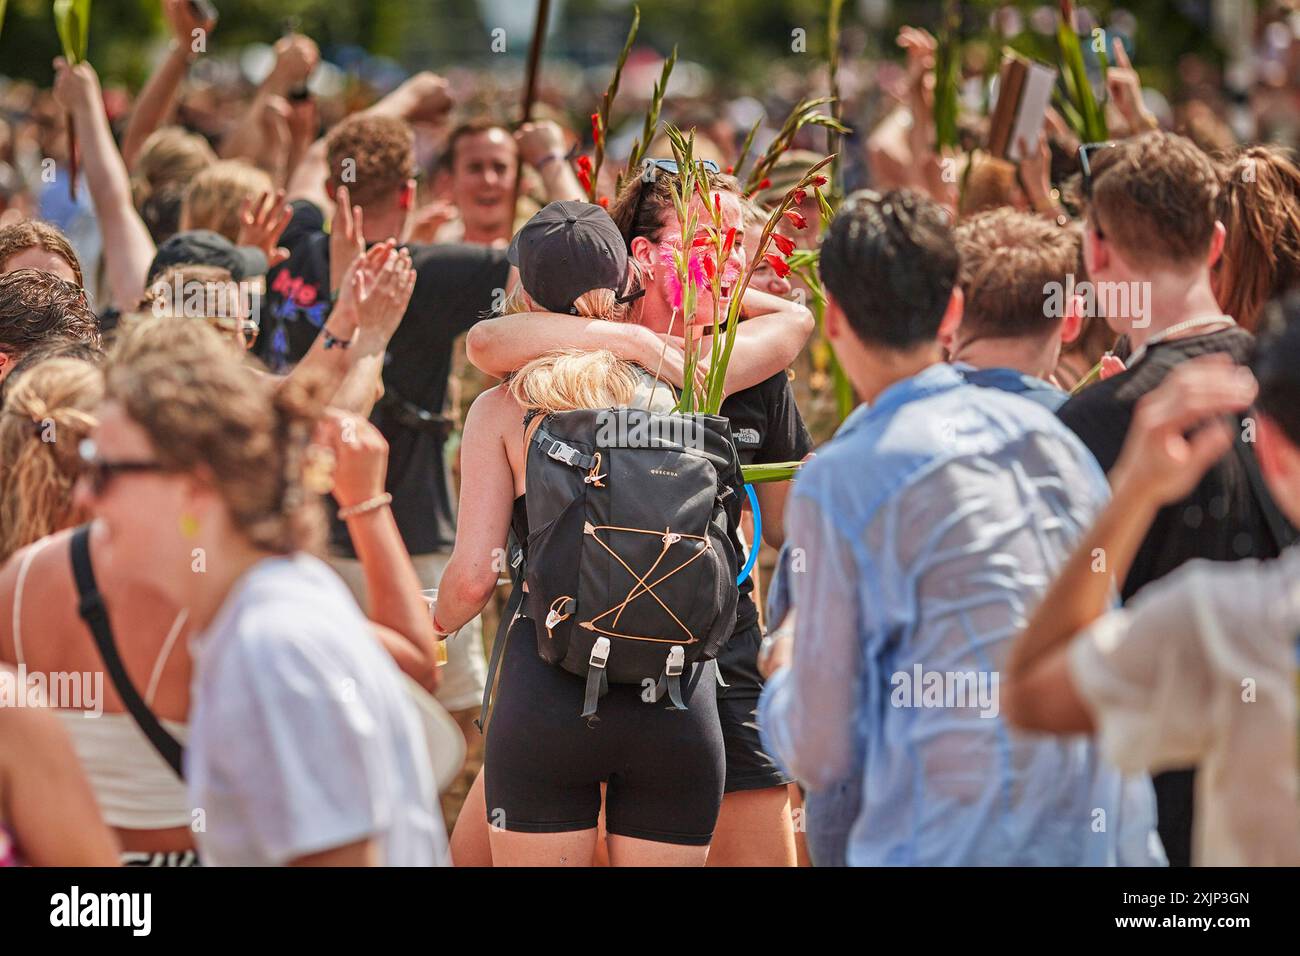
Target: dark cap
(203,247)
(566,250)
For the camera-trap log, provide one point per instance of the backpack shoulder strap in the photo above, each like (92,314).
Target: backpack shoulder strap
(516,600)
(91,608)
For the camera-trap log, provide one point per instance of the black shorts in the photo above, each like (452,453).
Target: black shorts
(544,762)
(748,767)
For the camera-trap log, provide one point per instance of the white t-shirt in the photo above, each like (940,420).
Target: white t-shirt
(1200,670)
(302,736)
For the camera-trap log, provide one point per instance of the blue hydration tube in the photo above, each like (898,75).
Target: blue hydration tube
(757,545)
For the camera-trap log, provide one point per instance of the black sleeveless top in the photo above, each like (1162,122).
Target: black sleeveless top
(519,523)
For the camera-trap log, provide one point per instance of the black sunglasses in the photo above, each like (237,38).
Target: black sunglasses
(99,473)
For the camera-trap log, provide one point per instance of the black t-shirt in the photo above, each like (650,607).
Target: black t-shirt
(455,286)
(297,291)
(767,427)
(1221,519)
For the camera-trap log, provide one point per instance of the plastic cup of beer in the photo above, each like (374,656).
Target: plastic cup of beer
(430,596)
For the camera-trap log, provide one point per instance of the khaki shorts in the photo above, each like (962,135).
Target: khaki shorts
(465,673)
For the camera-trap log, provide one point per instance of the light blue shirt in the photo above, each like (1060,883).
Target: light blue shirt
(917,543)
(1015,382)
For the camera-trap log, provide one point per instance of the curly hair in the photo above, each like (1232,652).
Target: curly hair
(204,409)
(47,411)
(1008,261)
(38,309)
(372,155)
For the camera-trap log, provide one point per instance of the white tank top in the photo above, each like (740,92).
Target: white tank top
(135,787)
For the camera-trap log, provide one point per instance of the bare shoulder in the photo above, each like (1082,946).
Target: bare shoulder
(496,410)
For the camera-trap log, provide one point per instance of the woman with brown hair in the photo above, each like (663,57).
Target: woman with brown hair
(1259,207)
(140,795)
(32,244)
(284,767)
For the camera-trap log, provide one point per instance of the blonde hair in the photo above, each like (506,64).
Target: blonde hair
(205,411)
(564,380)
(47,411)
(216,196)
(169,159)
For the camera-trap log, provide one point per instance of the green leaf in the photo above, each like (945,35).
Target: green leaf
(757,474)
(72,21)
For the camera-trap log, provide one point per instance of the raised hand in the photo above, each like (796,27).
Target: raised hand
(347,243)
(185,21)
(360,456)
(1181,428)
(76,88)
(1125,88)
(536,141)
(261,222)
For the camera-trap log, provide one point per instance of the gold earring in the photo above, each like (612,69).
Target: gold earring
(189,525)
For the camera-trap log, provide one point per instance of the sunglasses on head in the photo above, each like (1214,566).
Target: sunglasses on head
(100,473)
(672,167)
(1088,164)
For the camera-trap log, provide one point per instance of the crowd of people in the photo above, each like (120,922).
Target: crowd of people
(1031,602)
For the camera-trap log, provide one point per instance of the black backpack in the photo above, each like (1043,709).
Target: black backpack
(631,573)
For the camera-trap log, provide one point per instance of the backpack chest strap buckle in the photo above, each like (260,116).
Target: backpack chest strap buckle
(676,661)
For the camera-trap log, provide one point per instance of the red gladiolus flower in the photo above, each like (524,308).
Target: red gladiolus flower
(604,202)
(799,197)
(728,243)
(717,205)
(730,170)
(819,181)
(584,163)
(701,241)
(710,269)
(778,265)
(765,184)
(595,128)
(784,243)
(796,219)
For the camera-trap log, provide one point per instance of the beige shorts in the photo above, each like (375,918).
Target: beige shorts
(465,673)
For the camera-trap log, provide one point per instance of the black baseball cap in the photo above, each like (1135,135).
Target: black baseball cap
(203,247)
(566,250)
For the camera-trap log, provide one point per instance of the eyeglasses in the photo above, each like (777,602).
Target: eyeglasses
(249,327)
(99,473)
(1089,165)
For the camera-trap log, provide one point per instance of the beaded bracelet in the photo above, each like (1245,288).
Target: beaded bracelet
(370,504)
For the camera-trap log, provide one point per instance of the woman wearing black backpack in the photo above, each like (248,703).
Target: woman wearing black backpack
(662,765)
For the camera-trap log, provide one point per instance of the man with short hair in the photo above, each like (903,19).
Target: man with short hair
(1150,239)
(38,309)
(908,587)
(1018,310)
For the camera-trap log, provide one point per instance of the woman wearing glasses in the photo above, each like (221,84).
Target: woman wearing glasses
(140,796)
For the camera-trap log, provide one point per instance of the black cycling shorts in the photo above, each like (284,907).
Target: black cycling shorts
(748,767)
(544,762)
